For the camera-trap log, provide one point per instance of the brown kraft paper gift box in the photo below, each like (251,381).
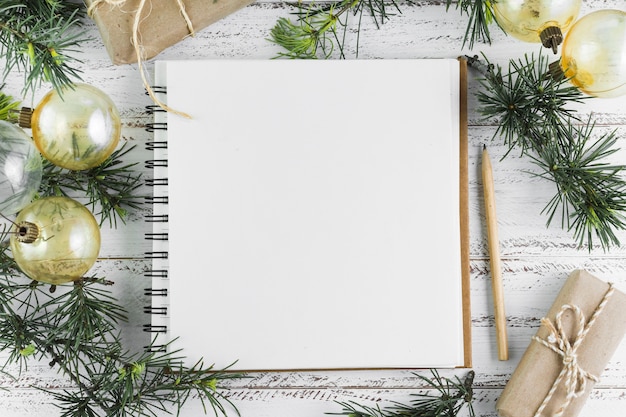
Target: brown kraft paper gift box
(540,366)
(162,23)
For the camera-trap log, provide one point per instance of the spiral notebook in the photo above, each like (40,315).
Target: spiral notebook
(311,214)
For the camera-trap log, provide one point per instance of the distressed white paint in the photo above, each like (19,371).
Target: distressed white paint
(536,259)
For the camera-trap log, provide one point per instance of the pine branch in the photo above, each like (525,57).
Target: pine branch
(8,108)
(533,113)
(41,38)
(320,29)
(19,331)
(74,327)
(480,16)
(144,384)
(8,266)
(525,100)
(453,395)
(110,186)
(591,193)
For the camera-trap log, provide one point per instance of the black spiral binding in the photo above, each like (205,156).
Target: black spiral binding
(155,145)
(156,218)
(155,310)
(155,292)
(154,163)
(156,273)
(154,182)
(150,328)
(151,127)
(156,349)
(157,89)
(157,200)
(156,255)
(157,236)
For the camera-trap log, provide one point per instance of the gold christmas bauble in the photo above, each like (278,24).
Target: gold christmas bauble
(55,240)
(77,129)
(593,56)
(536,20)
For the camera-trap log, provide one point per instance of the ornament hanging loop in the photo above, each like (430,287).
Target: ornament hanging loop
(551,37)
(555,71)
(25,116)
(27,232)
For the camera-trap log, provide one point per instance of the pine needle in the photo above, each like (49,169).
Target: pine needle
(450,398)
(41,39)
(319,31)
(110,187)
(534,115)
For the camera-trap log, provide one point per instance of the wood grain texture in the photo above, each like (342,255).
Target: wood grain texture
(536,259)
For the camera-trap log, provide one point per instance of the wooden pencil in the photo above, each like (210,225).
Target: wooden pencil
(494,257)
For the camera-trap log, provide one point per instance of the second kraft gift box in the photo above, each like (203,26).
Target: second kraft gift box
(569,352)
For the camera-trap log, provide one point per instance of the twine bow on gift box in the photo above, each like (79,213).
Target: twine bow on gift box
(137,42)
(572,375)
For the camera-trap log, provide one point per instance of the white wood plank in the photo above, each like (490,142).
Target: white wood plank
(536,259)
(309,402)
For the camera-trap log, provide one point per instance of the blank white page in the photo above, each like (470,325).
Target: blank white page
(314,213)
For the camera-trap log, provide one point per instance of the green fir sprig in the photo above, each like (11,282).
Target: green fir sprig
(591,193)
(319,30)
(525,100)
(41,38)
(480,17)
(450,398)
(8,266)
(533,114)
(145,384)
(9,107)
(110,187)
(74,327)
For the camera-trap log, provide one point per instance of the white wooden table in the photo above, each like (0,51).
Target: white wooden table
(536,259)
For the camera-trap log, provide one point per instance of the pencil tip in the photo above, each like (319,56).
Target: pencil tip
(484,146)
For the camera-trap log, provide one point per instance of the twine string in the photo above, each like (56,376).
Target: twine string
(97,3)
(136,41)
(572,374)
(183,12)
